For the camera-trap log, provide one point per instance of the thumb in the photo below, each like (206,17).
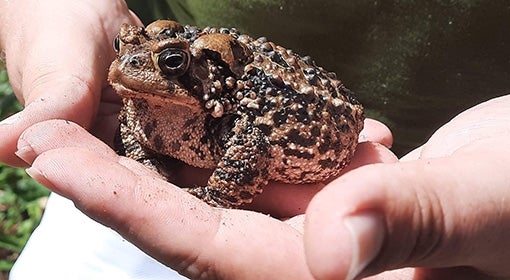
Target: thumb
(443,212)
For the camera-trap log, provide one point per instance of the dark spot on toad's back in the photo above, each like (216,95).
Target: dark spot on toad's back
(175,146)
(316,132)
(326,144)
(327,163)
(158,142)
(266,129)
(280,117)
(149,128)
(296,137)
(302,116)
(186,137)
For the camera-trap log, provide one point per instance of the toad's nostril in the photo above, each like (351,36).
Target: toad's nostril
(133,61)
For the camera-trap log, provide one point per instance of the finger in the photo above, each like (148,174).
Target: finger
(488,119)
(55,134)
(430,213)
(287,200)
(41,137)
(376,131)
(43,109)
(169,224)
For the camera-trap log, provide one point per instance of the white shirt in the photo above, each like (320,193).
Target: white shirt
(69,245)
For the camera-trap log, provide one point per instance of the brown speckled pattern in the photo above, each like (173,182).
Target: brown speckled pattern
(249,109)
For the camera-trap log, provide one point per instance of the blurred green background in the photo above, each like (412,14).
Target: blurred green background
(22,200)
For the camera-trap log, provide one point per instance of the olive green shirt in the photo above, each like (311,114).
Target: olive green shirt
(413,64)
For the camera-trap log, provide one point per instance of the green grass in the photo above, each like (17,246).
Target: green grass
(21,198)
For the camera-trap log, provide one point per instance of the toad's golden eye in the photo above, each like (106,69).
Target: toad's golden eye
(173,62)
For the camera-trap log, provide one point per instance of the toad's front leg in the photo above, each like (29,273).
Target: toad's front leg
(242,171)
(126,144)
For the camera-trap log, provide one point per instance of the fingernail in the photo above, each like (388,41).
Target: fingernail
(34,172)
(39,176)
(10,120)
(362,137)
(25,151)
(367,235)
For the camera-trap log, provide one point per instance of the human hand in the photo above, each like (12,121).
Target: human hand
(444,208)
(57,56)
(168,223)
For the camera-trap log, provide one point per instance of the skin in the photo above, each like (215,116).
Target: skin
(443,207)
(56,84)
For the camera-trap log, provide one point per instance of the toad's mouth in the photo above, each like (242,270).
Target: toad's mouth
(162,96)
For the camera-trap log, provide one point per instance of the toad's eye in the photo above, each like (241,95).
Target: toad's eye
(173,62)
(116,43)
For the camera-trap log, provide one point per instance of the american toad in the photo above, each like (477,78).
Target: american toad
(249,109)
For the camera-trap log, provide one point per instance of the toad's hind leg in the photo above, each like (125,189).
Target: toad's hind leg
(241,173)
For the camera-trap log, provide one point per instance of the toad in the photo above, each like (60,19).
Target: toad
(249,109)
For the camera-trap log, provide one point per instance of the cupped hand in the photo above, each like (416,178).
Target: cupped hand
(165,221)
(443,209)
(57,56)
